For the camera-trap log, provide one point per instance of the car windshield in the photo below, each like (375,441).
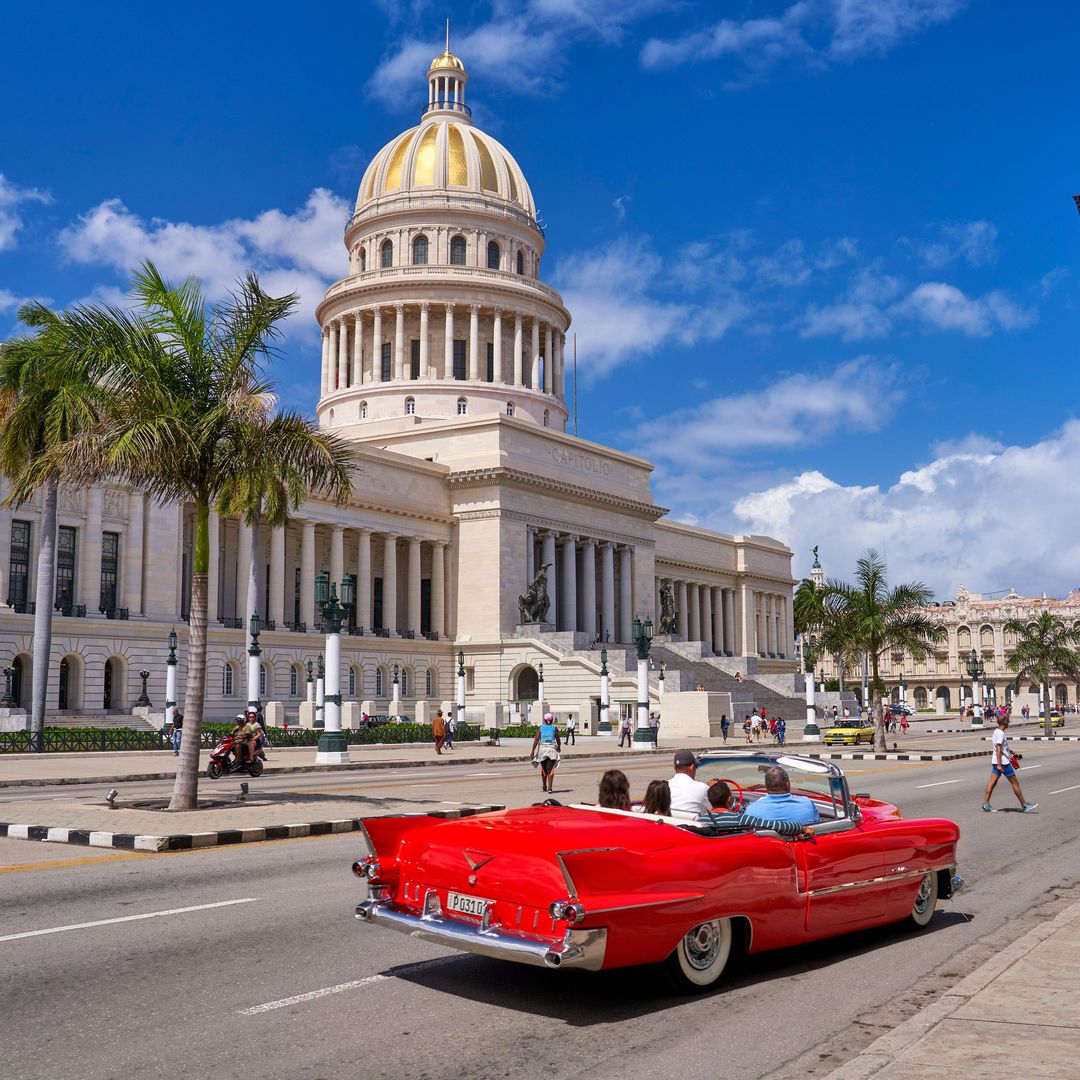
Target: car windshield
(848,723)
(816,779)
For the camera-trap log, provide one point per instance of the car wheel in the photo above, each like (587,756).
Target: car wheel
(700,958)
(925,905)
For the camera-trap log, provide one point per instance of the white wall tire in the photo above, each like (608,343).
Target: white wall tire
(701,957)
(922,911)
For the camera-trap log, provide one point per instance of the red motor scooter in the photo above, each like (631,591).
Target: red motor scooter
(223,759)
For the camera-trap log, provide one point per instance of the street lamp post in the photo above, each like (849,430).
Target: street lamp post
(310,683)
(460,689)
(540,691)
(811,731)
(643,734)
(170,677)
(333,749)
(660,688)
(605,694)
(395,707)
(975,670)
(144,701)
(320,692)
(254,652)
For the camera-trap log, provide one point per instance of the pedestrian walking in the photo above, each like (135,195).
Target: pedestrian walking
(903,723)
(545,751)
(725,725)
(438,729)
(625,732)
(571,730)
(451,731)
(654,728)
(177,730)
(1003,762)
(748,727)
(781,731)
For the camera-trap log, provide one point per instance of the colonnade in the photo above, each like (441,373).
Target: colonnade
(578,567)
(400,558)
(393,343)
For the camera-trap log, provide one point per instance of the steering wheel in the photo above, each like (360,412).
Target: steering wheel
(736,805)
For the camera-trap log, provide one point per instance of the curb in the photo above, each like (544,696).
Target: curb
(188,841)
(944,756)
(885,1050)
(1040,738)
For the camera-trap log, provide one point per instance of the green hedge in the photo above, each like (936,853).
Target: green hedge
(522,731)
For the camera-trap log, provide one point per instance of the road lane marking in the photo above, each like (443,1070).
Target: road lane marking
(326,991)
(127,918)
(939,783)
(1064,789)
(75,860)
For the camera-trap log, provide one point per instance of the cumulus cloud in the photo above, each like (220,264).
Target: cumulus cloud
(818,32)
(952,521)
(940,306)
(973,242)
(12,197)
(292,252)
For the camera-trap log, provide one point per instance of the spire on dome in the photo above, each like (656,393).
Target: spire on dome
(446,83)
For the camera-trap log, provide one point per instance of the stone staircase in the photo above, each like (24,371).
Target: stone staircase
(104,721)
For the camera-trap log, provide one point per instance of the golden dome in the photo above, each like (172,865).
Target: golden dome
(446,59)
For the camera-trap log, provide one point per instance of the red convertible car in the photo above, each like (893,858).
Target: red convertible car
(579,886)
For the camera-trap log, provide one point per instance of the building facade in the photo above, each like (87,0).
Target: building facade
(443,364)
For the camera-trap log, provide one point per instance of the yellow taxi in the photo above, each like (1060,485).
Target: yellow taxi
(849,731)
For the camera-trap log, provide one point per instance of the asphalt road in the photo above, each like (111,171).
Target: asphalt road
(247,961)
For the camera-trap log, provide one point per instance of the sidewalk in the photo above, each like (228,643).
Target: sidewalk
(1016,1016)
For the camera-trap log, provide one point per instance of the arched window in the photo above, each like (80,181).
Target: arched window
(404,682)
(363,410)
(493,255)
(547,417)
(378,682)
(520,263)
(294,682)
(227,680)
(363,259)
(352,682)
(387,253)
(462,406)
(410,406)
(419,251)
(509,408)
(457,251)
(429,684)
(262,682)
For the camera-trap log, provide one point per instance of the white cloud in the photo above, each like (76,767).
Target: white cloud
(11,198)
(973,242)
(292,252)
(850,321)
(614,293)
(818,31)
(9,301)
(944,307)
(954,520)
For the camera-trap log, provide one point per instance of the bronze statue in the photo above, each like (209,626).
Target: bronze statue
(668,614)
(533,604)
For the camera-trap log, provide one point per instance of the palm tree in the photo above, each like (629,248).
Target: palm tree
(1043,649)
(818,635)
(868,617)
(188,420)
(46,399)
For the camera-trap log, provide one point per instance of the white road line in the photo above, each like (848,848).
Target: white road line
(314,995)
(1028,768)
(1063,789)
(127,918)
(939,783)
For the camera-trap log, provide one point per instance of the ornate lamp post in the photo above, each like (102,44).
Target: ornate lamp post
(254,652)
(333,749)
(170,676)
(976,670)
(320,691)
(540,692)
(460,688)
(605,695)
(395,706)
(144,701)
(660,691)
(310,683)
(811,731)
(643,635)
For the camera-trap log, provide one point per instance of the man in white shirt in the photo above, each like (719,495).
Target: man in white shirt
(1001,765)
(688,793)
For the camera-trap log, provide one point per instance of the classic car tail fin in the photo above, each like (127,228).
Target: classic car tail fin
(609,879)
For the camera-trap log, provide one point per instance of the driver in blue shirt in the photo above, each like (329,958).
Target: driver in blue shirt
(778,804)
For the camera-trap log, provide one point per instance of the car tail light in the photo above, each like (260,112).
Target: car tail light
(367,868)
(570,911)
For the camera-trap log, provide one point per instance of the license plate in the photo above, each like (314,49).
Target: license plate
(466,905)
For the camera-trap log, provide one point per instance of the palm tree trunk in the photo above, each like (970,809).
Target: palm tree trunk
(185,794)
(43,615)
(1048,727)
(880,745)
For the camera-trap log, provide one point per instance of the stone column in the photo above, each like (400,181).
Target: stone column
(560,367)
(133,554)
(717,604)
(358,349)
(89,583)
(474,341)
(425,344)
(399,341)
(534,360)
(681,614)
(549,362)
(413,595)
(448,343)
(325,361)
(438,588)
(568,584)
(626,594)
(343,354)
(213,568)
(588,586)
(607,592)
(519,345)
(277,576)
(530,554)
(693,604)
(547,558)
(707,617)
(244,558)
(376,346)
(331,359)
(337,555)
(496,346)
(363,579)
(307,574)
(389,584)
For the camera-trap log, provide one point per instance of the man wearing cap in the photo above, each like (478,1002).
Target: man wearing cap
(687,792)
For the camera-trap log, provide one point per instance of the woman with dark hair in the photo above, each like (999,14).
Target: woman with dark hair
(545,751)
(657,798)
(614,791)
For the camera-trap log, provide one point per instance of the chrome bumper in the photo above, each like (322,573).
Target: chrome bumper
(578,948)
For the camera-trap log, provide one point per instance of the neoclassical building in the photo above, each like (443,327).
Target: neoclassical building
(443,363)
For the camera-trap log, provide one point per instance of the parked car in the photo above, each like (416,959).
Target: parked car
(902,710)
(848,732)
(584,887)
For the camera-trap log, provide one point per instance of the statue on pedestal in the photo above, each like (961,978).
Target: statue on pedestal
(668,614)
(533,604)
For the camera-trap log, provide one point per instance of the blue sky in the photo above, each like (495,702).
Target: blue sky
(821,256)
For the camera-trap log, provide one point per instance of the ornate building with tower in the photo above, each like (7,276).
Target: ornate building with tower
(444,364)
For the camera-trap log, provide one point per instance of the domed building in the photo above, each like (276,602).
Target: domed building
(444,364)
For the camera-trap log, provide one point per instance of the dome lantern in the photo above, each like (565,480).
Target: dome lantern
(446,83)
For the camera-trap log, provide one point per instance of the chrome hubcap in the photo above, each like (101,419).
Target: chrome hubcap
(922,900)
(702,946)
